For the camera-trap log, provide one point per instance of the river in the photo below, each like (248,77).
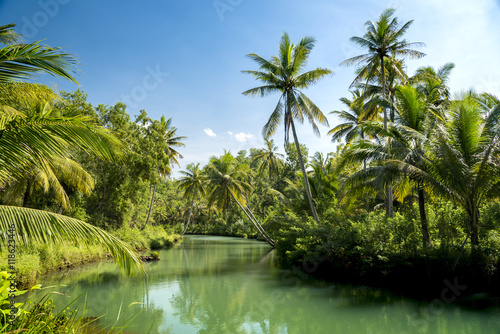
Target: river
(222,285)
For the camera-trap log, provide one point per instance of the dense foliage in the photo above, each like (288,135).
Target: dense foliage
(74,172)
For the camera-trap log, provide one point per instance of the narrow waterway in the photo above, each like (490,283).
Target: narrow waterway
(227,285)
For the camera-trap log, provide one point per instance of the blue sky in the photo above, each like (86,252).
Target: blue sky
(183,59)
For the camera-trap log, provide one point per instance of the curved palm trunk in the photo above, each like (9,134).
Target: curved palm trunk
(254,221)
(151,204)
(190,211)
(389,195)
(426,239)
(303,169)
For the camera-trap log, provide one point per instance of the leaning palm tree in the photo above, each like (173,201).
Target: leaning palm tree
(193,183)
(284,74)
(383,39)
(163,136)
(226,182)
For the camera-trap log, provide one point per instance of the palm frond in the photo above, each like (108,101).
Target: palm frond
(34,226)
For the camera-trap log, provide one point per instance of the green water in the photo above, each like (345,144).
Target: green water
(228,285)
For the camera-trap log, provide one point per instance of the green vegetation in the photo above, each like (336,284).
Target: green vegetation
(91,181)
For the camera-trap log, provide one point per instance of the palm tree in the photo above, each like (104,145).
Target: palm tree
(193,184)
(383,39)
(356,114)
(226,182)
(20,61)
(413,135)
(60,169)
(464,160)
(32,140)
(162,136)
(284,74)
(323,179)
(433,84)
(270,159)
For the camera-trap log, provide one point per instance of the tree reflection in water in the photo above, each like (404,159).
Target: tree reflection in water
(226,285)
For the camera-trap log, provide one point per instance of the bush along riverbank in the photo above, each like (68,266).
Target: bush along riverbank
(373,250)
(38,260)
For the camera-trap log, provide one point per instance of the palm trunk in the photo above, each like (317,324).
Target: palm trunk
(151,204)
(367,198)
(254,222)
(473,224)
(389,195)
(190,211)
(306,181)
(426,239)
(27,194)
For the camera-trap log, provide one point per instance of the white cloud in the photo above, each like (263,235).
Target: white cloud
(230,133)
(243,137)
(209,132)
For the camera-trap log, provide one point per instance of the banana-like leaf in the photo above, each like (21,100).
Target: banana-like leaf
(35,226)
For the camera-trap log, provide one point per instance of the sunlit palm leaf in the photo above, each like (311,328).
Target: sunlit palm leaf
(35,226)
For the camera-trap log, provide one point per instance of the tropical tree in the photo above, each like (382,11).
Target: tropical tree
(352,118)
(193,183)
(270,160)
(464,157)
(227,180)
(403,144)
(383,39)
(33,140)
(27,99)
(284,74)
(413,132)
(159,138)
(60,170)
(433,84)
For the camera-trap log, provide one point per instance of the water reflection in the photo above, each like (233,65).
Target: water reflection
(227,285)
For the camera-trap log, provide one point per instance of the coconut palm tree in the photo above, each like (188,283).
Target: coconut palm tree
(61,169)
(383,39)
(408,138)
(32,136)
(270,159)
(163,139)
(193,183)
(227,180)
(464,157)
(284,74)
(433,84)
(414,131)
(33,139)
(356,114)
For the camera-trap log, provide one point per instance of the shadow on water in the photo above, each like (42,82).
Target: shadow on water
(228,285)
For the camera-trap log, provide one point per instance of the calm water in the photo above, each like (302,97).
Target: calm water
(228,285)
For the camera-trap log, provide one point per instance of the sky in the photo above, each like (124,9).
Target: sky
(183,59)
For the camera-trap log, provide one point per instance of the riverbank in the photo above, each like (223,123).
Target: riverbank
(371,252)
(232,285)
(38,260)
